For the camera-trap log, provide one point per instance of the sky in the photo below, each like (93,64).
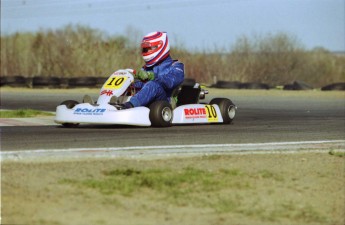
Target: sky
(194,24)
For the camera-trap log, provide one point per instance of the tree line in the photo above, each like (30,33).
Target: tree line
(76,51)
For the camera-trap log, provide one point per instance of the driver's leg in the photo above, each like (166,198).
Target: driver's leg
(151,91)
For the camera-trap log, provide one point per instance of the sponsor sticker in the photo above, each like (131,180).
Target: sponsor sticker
(107,92)
(115,82)
(207,112)
(192,113)
(91,112)
(120,73)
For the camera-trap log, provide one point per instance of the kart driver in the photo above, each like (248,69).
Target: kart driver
(160,75)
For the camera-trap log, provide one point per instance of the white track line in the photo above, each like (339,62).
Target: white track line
(167,150)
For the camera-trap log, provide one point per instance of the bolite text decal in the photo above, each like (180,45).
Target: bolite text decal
(91,112)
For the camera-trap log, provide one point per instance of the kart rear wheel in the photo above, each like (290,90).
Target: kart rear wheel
(70,104)
(227,109)
(161,114)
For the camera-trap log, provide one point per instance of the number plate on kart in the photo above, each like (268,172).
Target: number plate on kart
(115,82)
(211,113)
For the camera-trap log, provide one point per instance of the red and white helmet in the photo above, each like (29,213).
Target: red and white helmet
(155,47)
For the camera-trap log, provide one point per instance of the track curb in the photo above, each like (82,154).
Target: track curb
(151,152)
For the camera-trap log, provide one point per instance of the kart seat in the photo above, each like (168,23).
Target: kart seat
(188,94)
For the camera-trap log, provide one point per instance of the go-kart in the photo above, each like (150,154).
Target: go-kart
(184,107)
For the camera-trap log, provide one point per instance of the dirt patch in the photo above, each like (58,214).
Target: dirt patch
(305,188)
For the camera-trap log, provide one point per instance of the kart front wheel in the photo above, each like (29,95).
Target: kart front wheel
(161,114)
(70,104)
(227,109)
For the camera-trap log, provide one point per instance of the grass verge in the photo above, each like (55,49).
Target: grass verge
(23,113)
(305,188)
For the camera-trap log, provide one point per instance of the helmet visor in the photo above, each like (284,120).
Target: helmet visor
(150,47)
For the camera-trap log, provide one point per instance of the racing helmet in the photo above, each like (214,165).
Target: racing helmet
(155,47)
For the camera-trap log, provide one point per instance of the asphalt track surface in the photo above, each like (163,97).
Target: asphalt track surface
(261,118)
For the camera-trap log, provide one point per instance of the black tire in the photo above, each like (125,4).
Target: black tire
(49,82)
(82,82)
(14,81)
(227,109)
(100,81)
(254,86)
(228,84)
(288,87)
(64,82)
(334,87)
(161,114)
(298,85)
(70,104)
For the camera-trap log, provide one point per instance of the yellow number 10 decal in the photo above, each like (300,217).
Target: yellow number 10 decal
(211,113)
(114,82)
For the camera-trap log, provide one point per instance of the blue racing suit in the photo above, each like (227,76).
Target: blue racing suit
(169,74)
